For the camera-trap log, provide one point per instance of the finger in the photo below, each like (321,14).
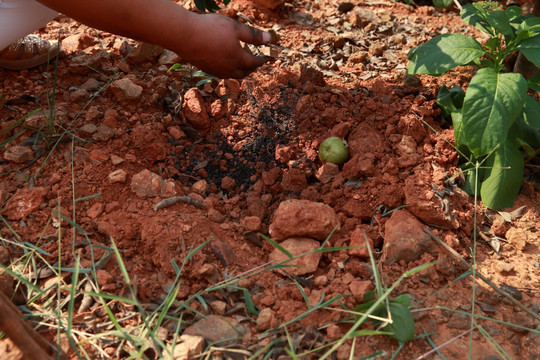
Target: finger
(251,35)
(251,62)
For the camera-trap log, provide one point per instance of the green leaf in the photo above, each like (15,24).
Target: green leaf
(531,49)
(514,13)
(531,112)
(450,100)
(402,326)
(442,53)
(443,4)
(475,16)
(492,103)
(498,20)
(493,43)
(534,83)
(532,25)
(503,176)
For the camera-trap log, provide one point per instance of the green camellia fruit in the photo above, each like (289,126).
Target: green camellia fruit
(334,150)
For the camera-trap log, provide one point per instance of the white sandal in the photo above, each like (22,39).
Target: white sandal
(28,52)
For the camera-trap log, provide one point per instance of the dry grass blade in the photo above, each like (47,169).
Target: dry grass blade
(482,277)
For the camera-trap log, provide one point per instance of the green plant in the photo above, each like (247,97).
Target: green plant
(443,4)
(495,116)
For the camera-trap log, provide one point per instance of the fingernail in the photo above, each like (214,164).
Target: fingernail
(267,37)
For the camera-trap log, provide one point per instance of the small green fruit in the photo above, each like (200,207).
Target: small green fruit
(334,150)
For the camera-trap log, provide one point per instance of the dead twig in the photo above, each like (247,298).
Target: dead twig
(173,200)
(482,277)
(31,344)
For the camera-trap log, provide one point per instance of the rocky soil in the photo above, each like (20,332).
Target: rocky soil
(162,163)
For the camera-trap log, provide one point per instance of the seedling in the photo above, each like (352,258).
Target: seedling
(495,116)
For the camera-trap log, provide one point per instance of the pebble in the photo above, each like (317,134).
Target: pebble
(187,347)
(195,110)
(116,160)
(404,238)
(297,246)
(103,133)
(359,240)
(265,319)
(18,154)
(124,89)
(215,328)
(147,184)
(359,287)
(117,176)
(251,223)
(303,218)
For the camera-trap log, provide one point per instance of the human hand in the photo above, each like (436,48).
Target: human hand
(214,46)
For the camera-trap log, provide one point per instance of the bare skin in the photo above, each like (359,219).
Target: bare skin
(211,42)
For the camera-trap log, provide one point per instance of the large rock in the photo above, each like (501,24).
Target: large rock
(195,110)
(297,246)
(24,203)
(404,238)
(303,218)
(425,204)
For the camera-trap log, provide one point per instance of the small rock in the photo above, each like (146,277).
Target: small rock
(103,277)
(111,118)
(187,347)
(24,203)
(459,321)
(144,52)
(98,155)
(195,110)
(229,88)
(176,132)
(76,42)
(251,223)
(334,332)
(91,85)
(83,64)
(297,246)
(117,176)
(215,328)
(87,130)
(223,251)
(18,154)
(404,238)
(376,49)
(95,210)
(168,58)
(264,320)
(215,216)
(78,95)
(116,160)
(359,287)
(103,133)
(327,172)
(125,89)
(200,187)
(358,239)
(219,307)
(228,184)
(147,184)
(303,218)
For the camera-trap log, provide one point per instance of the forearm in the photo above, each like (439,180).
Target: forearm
(157,21)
